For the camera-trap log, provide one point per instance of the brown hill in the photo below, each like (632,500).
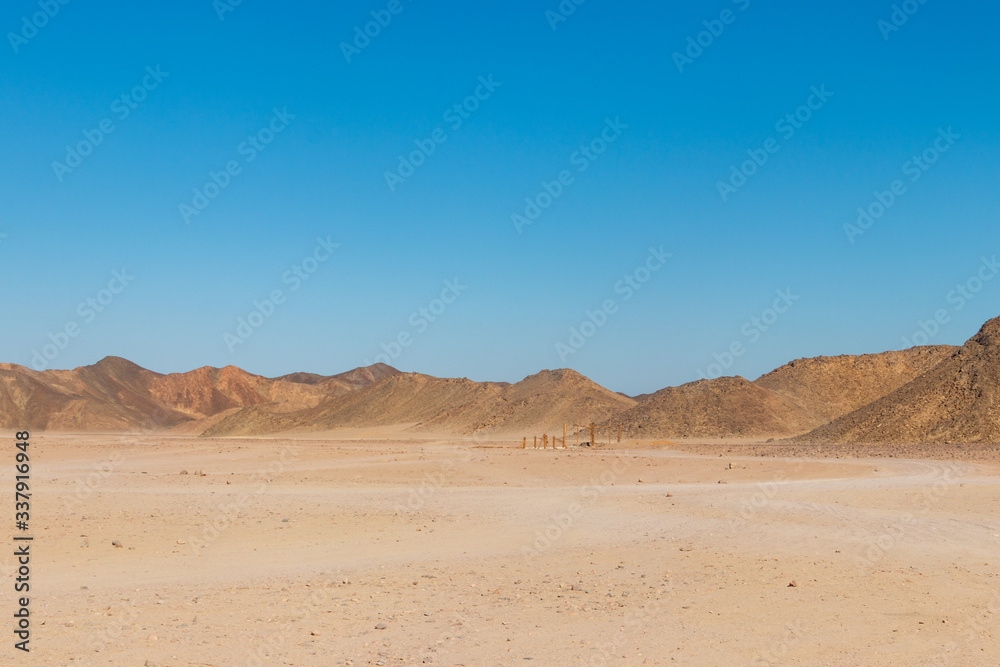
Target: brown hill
(723,408)
(790,400)
(923,394)
(111,395)
(956,402)
(207,391)
(458,406)
(118,395)
(359,377)
(539,403)
(828,387)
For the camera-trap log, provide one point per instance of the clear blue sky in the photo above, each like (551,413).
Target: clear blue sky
(656,184)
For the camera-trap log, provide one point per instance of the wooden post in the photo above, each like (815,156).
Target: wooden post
(619,433)
(524,443)
(536,442)
(545,441)
(593,437)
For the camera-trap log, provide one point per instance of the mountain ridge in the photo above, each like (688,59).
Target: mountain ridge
(906,395)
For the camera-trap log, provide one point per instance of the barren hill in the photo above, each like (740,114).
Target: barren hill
(790,400)
(924,394)
(957,401)
(359,377)
(828,387)
(111,395)
(117,395)
(541,402)
(459,406)
(725,407)
(404,398)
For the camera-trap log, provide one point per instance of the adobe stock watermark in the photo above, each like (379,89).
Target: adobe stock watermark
(697,44)
(763,496)
(122,107)
(581,158)
(957,298)
(381,18)
(271,648)
(749,507)
(778,654)
(419,321)
(218,181)
(223,7)
(633,624)
(112,631)
(561,522)
(899,17)
(455,116)
(786,126)
(294,277)
(751,331)
(228,513)
(87,486)
(562,13)
(914,168)
(30,25)
(627,287)
(972,628)
(429,485)
(895,533)
(87,311)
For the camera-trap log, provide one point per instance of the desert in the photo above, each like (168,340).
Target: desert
(378,517)
(392,550)
(399,333)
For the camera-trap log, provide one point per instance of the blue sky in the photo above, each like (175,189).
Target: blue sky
(522,289)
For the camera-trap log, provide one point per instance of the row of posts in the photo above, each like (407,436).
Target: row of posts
(556,440)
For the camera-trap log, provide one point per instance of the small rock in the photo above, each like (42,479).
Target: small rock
(381,626)
(181,542)
(793,585)
(116,544)
(184,472)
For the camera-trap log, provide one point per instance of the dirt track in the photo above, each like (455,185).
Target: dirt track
(476,555)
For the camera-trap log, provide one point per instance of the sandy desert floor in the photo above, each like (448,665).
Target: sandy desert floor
(408,552)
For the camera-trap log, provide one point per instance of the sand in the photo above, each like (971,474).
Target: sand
(371,551)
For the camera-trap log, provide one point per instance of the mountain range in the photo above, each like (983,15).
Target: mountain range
(929,394)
